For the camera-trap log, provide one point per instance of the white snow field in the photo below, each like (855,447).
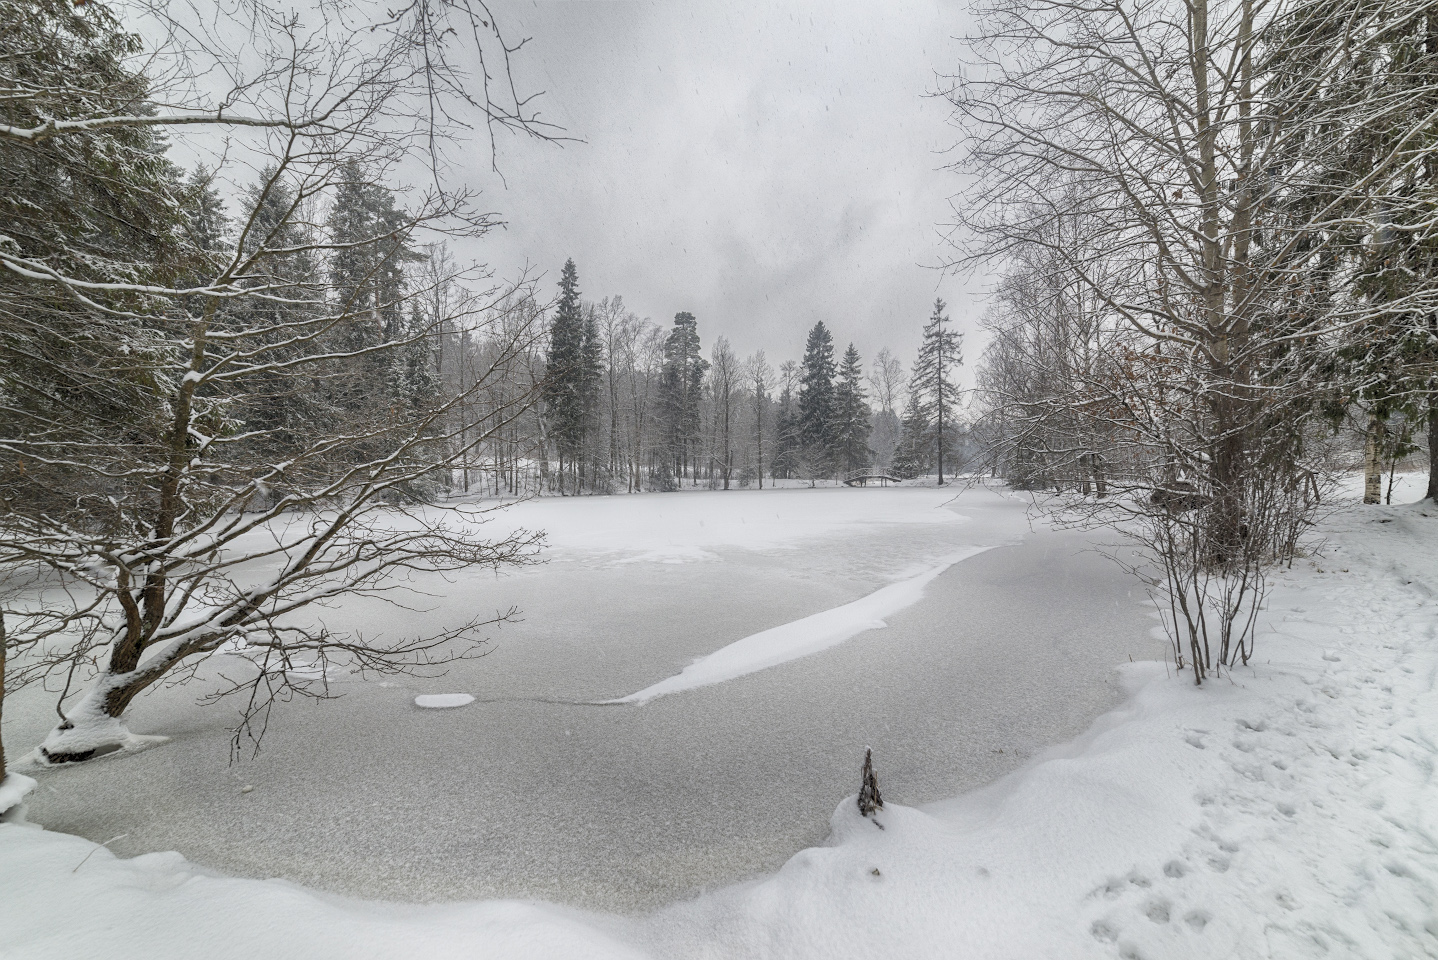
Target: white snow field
(1287,811)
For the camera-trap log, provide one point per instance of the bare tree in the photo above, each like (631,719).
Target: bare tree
(760,375)
(724,383)
(1139,167)
(887,381)
(137,501)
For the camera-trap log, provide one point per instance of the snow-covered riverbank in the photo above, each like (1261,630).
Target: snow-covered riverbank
(1287,811)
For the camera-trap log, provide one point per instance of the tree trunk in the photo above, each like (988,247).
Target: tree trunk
(1432,493)
(2,696)
(759,438)
(1373,462)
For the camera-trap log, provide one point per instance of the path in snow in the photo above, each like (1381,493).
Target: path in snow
(523,795)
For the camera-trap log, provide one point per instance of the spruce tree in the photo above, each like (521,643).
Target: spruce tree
(851,426)
(564,373)
(816,399)
(281,413)
(912,454)
(940,355)
(590,378)
(367,280)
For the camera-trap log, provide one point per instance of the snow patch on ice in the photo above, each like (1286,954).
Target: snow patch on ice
(13,791)
(799,638)
(443,701)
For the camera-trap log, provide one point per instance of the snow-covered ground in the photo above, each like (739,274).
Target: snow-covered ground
(1287,811)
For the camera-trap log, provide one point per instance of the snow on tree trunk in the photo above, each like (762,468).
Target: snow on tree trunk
(93,728)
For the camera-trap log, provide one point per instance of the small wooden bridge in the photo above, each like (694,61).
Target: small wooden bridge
(865,479)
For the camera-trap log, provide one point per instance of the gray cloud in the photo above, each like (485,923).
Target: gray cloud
(762,168)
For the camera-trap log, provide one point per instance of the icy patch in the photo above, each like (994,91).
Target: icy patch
(443,701)
(799,638)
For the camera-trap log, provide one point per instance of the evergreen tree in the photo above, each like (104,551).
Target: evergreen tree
(105,207)
(590,379)
(208,226)
(913,454)
(680,387)
(367,280)
(784,463)
(851,423)
(564,373)
(280,412)
(940,355)
(816,399)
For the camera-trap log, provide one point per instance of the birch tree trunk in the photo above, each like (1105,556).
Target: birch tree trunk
(1373,462)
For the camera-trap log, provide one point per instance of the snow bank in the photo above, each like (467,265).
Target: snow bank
(799,638)
(14,788)
(88,731)
(1288,811)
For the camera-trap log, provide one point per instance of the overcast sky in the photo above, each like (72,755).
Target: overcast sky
(762,168)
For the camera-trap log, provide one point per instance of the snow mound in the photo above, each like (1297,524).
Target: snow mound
(443,701)
(126,744)
(799,638)
(13,791)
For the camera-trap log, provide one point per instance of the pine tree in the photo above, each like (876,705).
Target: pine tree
(940,355)
(816,399)
(851,423)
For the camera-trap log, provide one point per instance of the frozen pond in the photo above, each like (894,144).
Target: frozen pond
(533,790)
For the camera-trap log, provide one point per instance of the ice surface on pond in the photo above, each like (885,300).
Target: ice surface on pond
(441,701)
(1004,653)
(800,638)
(1285,811)
(692,526)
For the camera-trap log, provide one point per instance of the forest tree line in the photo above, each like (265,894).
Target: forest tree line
(628,405)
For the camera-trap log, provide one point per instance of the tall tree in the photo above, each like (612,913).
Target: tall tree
(370,251)
(725,384)
(887,380)
(816,399)
(565,374)
(851,414)
(680,390)
(761,381)
(940,355)
(787,442)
